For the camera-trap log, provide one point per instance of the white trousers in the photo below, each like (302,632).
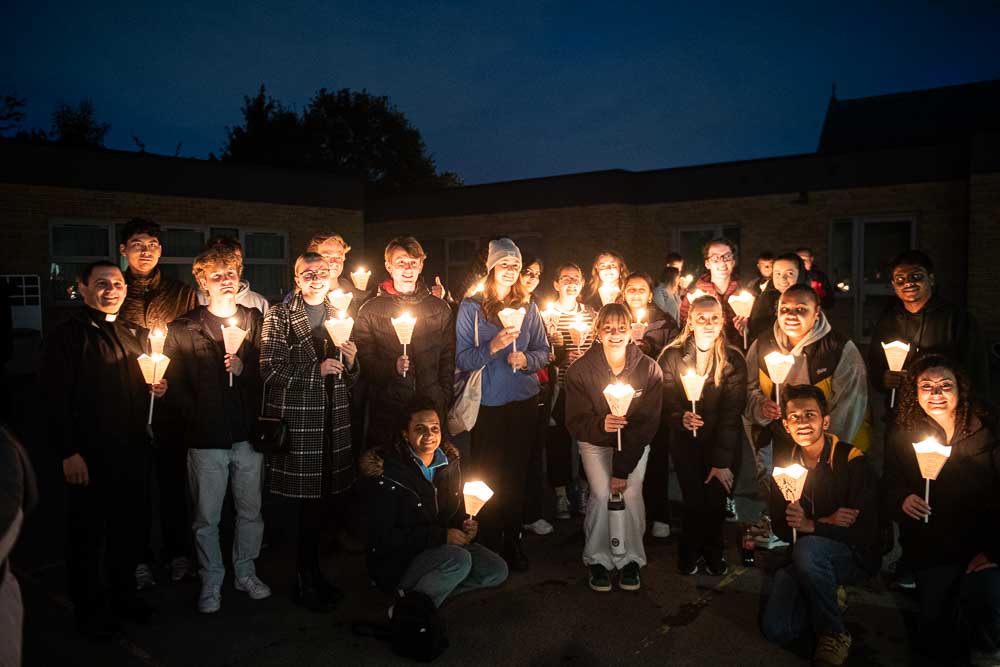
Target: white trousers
(597,546)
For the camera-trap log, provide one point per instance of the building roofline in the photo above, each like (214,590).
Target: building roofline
(742,178)
(124,171)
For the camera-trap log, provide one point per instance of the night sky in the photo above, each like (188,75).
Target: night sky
(499,90)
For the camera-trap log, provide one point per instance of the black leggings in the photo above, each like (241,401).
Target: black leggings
(313,513)
(501,451)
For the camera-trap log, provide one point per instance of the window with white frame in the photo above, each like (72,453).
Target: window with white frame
(74,243)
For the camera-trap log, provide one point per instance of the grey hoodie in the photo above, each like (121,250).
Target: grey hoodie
(849,399)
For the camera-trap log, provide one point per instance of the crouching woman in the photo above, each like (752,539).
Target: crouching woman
(419,536)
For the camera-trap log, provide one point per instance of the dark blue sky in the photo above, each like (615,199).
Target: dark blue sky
(499,90)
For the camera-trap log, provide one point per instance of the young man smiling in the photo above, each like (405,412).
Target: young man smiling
(838,530)
(217,421)
(99,402)
(929,323)
(429,365)
(153,301)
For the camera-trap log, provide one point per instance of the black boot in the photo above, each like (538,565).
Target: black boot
(327,590)
(307,592)
(514,554)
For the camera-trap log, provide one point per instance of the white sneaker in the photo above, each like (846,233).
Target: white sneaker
(143,577)
(562,507)
(540,527)
(254,587)
(210,599)
(769,541)
(660,529)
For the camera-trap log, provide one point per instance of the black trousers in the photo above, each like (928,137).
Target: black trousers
(656,486)
(958,612)
(502,440)
(538,501)
(559,445)
(106,530)
(173,499)
(704,504)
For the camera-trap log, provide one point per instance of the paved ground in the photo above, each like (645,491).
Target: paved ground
(547,616)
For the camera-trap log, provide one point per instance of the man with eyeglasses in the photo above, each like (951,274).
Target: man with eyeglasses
(152,302)
(334,249)
(428,367)
(928,323)
(721,282)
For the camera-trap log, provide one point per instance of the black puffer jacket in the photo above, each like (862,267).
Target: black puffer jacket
(199,383)
(940,327)
(408,514)
(586,406)
(431,353)
(965,498)
(720,406)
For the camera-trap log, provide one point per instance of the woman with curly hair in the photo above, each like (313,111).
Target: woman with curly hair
(953,542)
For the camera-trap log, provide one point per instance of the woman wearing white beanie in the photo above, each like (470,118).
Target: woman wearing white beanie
(505,429)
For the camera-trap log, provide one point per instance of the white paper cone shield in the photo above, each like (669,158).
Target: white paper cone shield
(232,338)
(578,334)
(693,385)
(360,279)
(741,304)
(476,495)
(778,366)
(639,330)
(791,481)
(339,300)
(608,293)
(931,457)
(339,330)
(404,329)
(153,368)
(619,397)
(895,354)
(510,317)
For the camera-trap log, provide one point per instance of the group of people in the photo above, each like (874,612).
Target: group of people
(369,428)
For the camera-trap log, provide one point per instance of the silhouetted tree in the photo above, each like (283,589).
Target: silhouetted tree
(349,133)
(78,126)
(11,113)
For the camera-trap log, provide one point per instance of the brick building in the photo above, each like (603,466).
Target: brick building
(61,208)
(919,169)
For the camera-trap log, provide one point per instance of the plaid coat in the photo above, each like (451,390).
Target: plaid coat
(289,366)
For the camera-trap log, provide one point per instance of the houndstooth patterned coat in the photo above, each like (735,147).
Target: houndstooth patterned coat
(295,391)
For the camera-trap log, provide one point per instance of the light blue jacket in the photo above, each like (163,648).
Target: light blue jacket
(501,385)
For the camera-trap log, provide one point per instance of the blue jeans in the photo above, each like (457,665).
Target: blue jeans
(804,592)
(451,569)
(209,473)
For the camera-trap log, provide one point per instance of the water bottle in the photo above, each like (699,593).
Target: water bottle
(748,548)
(616,523)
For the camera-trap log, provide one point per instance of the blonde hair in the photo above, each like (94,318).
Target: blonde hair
(215,256)
(719,346)
(309,257)
(319,239)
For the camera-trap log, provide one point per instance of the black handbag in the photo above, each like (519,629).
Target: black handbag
(271,434)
